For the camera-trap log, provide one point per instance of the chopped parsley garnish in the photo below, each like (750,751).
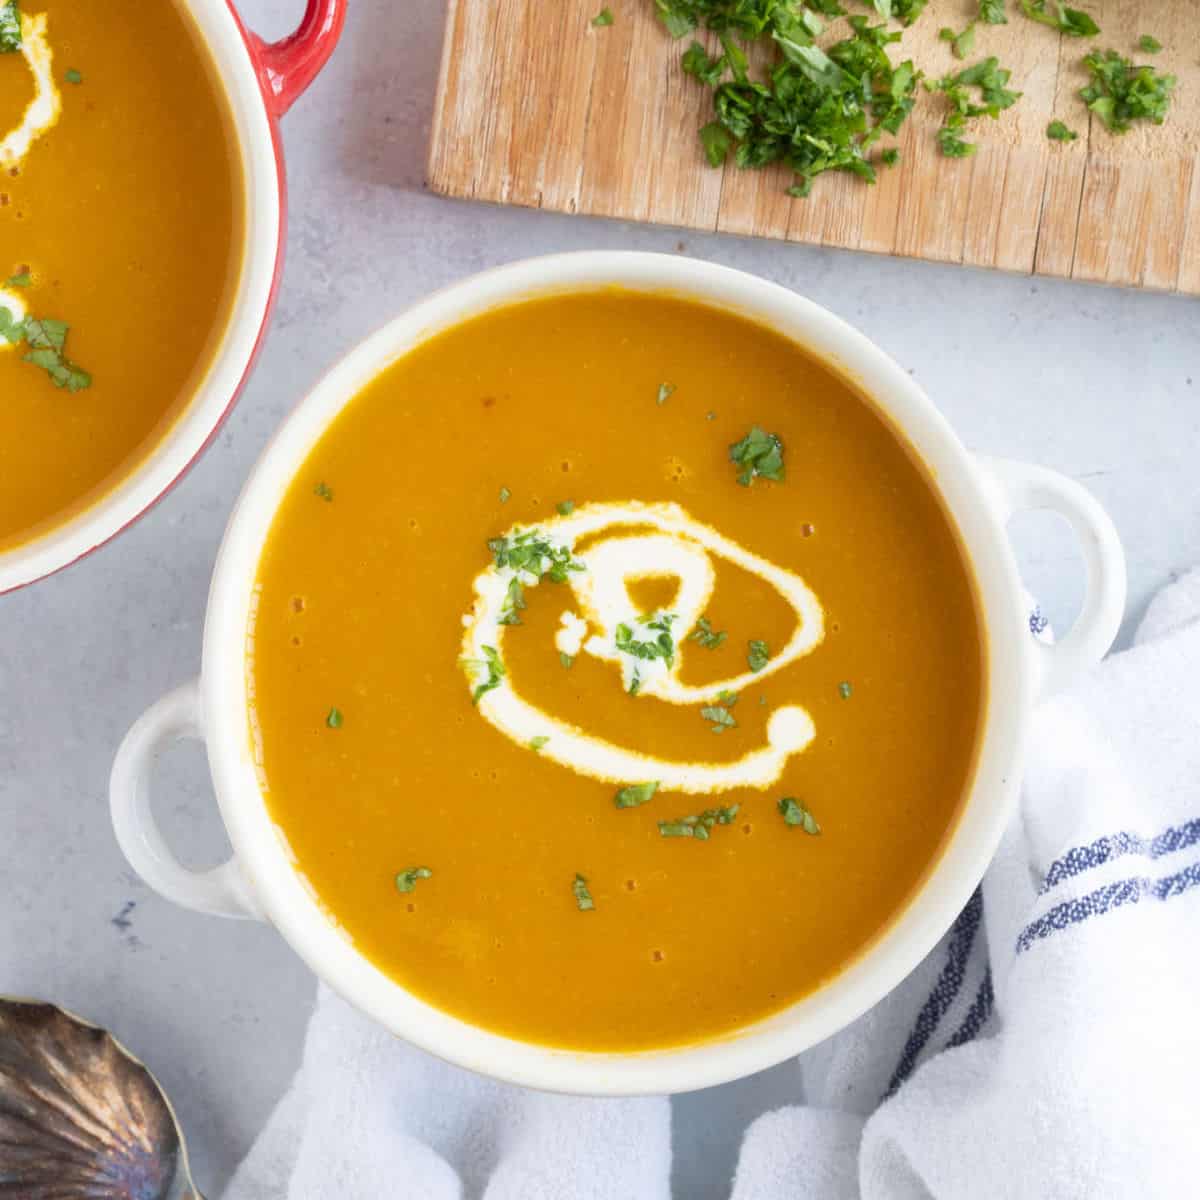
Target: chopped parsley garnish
(698,826)
(758,655)
(535,555)
(583,898)
(1056,131)
(991,12)
(514,603)
(665,392)
(490,667)
(536,743)
(759,454)
(890,157)
(904,11)
(960,43)
(635,794)
(407,880)
(811,109)
(22,279)
(1121,92)
(73,76)
(845,689)
(505,495)
(567,660)
(334,719)
(706,635)
(991,80)
(660,647)
(565,507)
(720,716)
(796,813)
(602,18)
(324,491)
(1148,44)
(10,27)
(1069,21)
(46,340)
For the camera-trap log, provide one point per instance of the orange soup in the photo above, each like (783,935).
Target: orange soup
(617,672)
(120,245)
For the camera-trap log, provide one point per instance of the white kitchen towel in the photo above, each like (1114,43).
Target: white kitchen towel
(1048,1047)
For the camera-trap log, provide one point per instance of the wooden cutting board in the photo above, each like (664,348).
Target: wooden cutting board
(537,107)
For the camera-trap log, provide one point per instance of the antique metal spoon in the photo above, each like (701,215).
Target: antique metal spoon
(80,1117)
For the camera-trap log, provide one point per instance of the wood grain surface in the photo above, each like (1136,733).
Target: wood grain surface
(537,107)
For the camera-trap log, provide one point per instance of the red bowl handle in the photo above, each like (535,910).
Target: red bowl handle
(287,67)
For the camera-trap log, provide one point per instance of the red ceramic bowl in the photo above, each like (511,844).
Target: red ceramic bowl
(261,81)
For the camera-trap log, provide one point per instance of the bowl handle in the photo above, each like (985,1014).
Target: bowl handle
(221,891)
(1023,486)
(288,66)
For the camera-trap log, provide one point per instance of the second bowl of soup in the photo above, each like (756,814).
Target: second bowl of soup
(141,210)
(614,676)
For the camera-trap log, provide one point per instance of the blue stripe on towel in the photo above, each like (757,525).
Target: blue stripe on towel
(1105,849)
(1102,900)
(977,1014)
(949,982)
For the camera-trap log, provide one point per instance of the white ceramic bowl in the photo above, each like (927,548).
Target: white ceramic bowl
(260,881)
(261,82)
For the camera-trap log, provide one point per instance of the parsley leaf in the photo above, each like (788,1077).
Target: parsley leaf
(717,142)
(960,43)
(407,880)
(661,647)
(1069,21)
(677,16)
(20,280)
(490,666)
(758,655)
(635,794)
(991,12)
(796,813)
(1148,44)
(46,340)
(602,18)
(334,720)
(505,495)
(845,689)
(705,635)
(698,826)
(565,507)
(514,603)
(583,898)
(536,743)
(1121,92)
(567,660)
(11,330)
(665,392)
(907,11)
(1056,131)
(759,454)
(890,157)
(73,76)
(720,716)
(324,491)
(10,27)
